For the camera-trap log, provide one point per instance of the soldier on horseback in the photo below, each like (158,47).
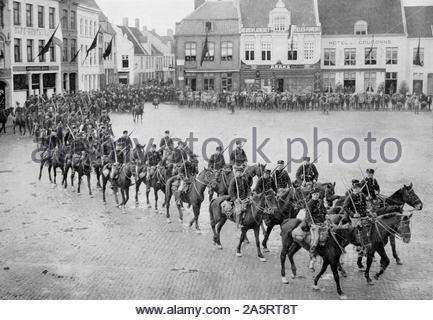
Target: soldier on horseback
(370,186)
(153,159)
(265,183)
(239,192)
(217,161)
(281,176)
(307,173)
(315,218)
(238,156)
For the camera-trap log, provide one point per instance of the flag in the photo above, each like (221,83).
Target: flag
(417,60)
(371,49)
(57,42)
(93,45)
(205,51)
(76,55)
(108,50)
(47,46)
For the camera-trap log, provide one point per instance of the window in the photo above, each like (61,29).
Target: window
(349,57)
(208,82)
(190,51)
(65,22)
(17,50)
(249,51)
(390,82)
(29,50)
(370,56)
(328,81)
(41,21)
(29,15)
(308,50)
(226,51)
(86,28)
(125,61)
(266,51)
(293,50)
(227,81)
(421,56)
(208,26)
(280,23)
(73,47)
(391,55)
(73,20)
(81,26)
(51,17)
(17,13)
(52,53)
(361,28)
(41,46)
(329,58)
(65,50)
(210,55)
(349,82)
(369,81)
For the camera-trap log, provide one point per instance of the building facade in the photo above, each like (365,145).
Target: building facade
(69,25)
(365,51)
(420,34)
(33,23)
(214,24)
(107,66)
(280,45)
(5,55)
(163,47)
(88,67)
(124,57)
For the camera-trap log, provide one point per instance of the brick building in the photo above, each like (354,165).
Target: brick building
(218,22)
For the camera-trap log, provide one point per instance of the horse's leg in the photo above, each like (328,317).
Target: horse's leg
(137,189)
(147,195)
(155,194)
(384,262)
(40,170)
(394,250)
(50,166)
(220,225)
(283,255)
(325,265)
(167,204)
(370,256)
(72,178)
(196,211)
(267,234)
(259,251)
(88,184)
(242,238)
(55,173)
(79,182)
(334,268)
(295,247)
(104,185)
(126,192)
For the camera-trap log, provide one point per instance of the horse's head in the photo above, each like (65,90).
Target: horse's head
(208,177)
(260,169)
(411,198)
(403,228)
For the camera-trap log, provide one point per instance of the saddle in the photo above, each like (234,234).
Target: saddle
(300,235)
(363,233)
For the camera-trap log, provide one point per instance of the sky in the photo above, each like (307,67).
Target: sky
(163,14)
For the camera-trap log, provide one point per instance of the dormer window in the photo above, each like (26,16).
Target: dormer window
(208,26)
(361,28)
(280,23)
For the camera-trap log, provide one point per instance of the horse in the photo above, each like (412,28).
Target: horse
(330,251)
(391,224)
(84,168)
(20,121)
(4,115)
(46,158)
(157,181)
(221,185)
(254,171)
(261,205)
(193,196)
(125,175)
(137,112)
(56,161)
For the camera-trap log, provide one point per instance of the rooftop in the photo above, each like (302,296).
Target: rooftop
(419,21)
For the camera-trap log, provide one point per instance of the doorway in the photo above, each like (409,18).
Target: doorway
(280,85)
(2,95)
(417,86)
(193,84)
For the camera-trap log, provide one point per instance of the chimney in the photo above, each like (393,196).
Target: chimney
(125,22)
(137,23)
(198,3)
(170,33)
(144,28)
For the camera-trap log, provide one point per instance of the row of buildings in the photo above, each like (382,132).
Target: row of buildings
(293,45)
(138,55)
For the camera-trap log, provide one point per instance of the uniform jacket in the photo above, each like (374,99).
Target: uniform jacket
(238,157)
(316,212)
(310,172)
(216,161)
(244,189)
(283,179)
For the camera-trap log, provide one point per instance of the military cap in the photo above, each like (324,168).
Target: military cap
(219,148)
(280,162)
(370,171)
(307,158)
(239,142)
(315,191)
(167,131)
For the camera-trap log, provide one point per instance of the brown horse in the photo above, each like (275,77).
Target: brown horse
(157,181)
(221,185)
(126,173)
(4,114)
(56,161)
(194,196)
(330,251)
(260,206)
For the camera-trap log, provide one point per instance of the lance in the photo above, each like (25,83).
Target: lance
(365,183)
(350,195)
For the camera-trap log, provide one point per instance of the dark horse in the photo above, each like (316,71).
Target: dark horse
(84,168)
(330,251)
(157,181)
(221,186)
(194,195)
(126,173)
(4,114)
(261,205)
(137,111)
(20,121)
(56,161)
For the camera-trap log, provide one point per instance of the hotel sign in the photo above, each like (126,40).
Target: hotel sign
(286,67)
(32,32)
(307,29)
(360,42)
